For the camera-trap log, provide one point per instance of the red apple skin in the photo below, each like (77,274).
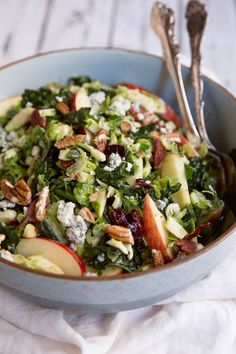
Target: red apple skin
(78,259)
(152,232)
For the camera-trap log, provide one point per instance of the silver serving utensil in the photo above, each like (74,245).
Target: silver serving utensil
(196,16)
(162,21)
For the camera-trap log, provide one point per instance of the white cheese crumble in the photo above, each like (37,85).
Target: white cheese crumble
(76,226)
(172,209)
(140,116)
(65,212)
(97,97)
(29,104)
(161,204)
(120,106)
(136,106)
(154,251)
(35,151)
(59,99)
(10,153)
(114,161)
(101,257)
(163,130)
(128,167)
(6,204)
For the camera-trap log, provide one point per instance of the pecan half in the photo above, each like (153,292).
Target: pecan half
(87,215)
(158,259)
(69,141)
(120,233)
(20,193)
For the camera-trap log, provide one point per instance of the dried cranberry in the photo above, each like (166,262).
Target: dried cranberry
(81,130)
(36,119)
(135,222)
(110,200)
(142,183)
(118,217)
(72,102)
(132,220)
(115,149)
(65,164)
(158,153)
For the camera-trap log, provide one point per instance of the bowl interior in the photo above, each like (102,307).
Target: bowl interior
(113,66)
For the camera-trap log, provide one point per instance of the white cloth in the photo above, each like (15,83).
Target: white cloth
(200,319)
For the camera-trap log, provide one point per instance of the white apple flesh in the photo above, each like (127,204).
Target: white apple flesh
(81,99)
(173,166)
(155,232)
(61,255)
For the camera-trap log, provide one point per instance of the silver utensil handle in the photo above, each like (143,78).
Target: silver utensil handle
(196,16)
(162,21)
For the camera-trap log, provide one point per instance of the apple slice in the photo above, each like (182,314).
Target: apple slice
(20,119)
(155,231)
(173,166)
(82,99)
(6,104)
(59,254)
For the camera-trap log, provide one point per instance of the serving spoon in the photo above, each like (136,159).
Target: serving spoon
(162,21)
(196,16)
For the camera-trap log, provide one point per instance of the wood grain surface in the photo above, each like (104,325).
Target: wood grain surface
(30,26)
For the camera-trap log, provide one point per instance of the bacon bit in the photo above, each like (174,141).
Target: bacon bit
(198,230)
(36,119)
(158,153)
(63,108)
(69,141)
(66,163)
(187,246)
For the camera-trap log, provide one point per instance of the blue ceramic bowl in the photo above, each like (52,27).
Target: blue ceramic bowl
(130,290)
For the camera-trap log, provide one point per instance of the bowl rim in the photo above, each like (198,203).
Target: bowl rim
(126,276)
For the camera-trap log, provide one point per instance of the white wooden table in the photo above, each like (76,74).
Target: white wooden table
(30,26)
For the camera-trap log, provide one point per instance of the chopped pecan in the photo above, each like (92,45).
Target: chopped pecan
(20,193)
(149,118)
(101,139)
(125,127)
(87,215)
(63,108)
(41,205)
(120,233)
(158,259)
(69,141)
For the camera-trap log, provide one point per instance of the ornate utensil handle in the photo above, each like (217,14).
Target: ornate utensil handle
(196,16)
(162,21)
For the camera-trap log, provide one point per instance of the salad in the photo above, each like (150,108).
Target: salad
(100,180)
